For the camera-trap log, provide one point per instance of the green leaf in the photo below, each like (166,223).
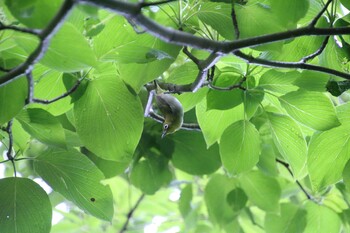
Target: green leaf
(256,185)
(215,196)
(185,74)
(151,174)
(321,219)
(25,207)
(42,126)
(329,152)
(192,156)
(33,13)
(208,121)
(158,54)
(69,53)
(218,16)
(77,178)
(237,199)
(108,167)
(12,99)
(292,219)
(277,81)
(49,84)
(240,147)
(185,200)
(345,3)
(290,142)
(312,109)
(256,19)
(222,100)
(252,99)
(109,118)
(312,81)
(296,10)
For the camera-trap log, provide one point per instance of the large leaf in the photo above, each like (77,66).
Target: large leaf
(192,156)
(215,196)
(208,120)
(290,142)
(119,42)
(312,109)
(25,207)
(42,126)
(321,219)
(277,81)
(240,147)
(109,118)
(12,99)
(292,219)
(218,16)
(329,152)
(296,10)
(151,174)
(69,53)
(33,13)
(262,190)
(49,84)
(224,99)
(77,178)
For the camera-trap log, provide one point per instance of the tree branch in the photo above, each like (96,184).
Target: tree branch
(185,126)
(318,16)
(293,65)
(131,212)
(317,52)
(34,32)
(45,37)
(286,165)
(178,37)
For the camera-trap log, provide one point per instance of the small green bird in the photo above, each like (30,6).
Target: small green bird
(172,111)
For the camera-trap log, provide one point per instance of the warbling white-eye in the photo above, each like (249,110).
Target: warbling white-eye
(172,111)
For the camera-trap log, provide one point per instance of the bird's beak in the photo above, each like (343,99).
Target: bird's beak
(164,133)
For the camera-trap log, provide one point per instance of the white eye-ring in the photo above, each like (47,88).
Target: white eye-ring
(166,126)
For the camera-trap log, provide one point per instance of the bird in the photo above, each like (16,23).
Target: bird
(171,109)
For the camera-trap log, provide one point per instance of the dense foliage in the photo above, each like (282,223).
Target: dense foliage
(265,144)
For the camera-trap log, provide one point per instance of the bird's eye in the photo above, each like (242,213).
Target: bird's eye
(166,126)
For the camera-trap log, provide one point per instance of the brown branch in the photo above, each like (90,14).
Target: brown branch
(286,165)
(130,213)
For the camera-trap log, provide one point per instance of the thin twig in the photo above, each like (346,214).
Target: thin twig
(34,32)
(146,4)
(4,69)
(70,91)
(318,16)
(190,56)
(30,81)
(293,65)
(235,22)
(229,88)
(317,52)
(130,214)
(286,165)
(148,107)
(185,126)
